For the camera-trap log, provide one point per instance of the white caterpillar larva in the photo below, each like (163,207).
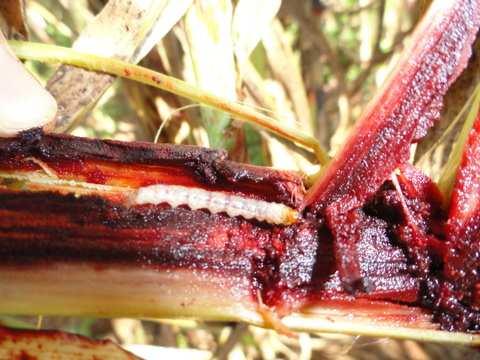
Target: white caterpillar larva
(216,202)
(176,195)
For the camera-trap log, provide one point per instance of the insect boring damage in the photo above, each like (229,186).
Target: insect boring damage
(361,239)
(154,174)
(216,202)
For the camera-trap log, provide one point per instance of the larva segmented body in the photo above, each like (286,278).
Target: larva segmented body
(216,202)
(176,195)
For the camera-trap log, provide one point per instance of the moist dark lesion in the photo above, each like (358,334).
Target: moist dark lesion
(404,258)
(367,252)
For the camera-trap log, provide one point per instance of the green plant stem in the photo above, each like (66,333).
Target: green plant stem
(449,172)
(57,54)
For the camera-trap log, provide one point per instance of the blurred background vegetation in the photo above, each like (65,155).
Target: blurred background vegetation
(310,64)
